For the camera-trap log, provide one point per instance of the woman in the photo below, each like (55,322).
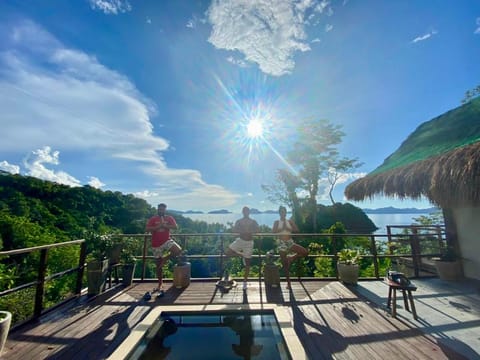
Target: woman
(284,228)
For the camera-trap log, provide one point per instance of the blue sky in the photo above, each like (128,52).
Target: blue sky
(153,97)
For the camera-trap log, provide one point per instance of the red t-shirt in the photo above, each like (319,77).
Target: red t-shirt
(161,236)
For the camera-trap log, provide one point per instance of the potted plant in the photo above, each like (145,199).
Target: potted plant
(128,261)
(97,263)
(5,321)
(347,265)
(182,271)
(271,273)
(448,265)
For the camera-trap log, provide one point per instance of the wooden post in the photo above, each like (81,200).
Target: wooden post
(81,268)
(42,269)
(144,256)
(415,249)
(375,255)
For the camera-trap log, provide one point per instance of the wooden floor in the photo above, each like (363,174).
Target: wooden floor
(331,320)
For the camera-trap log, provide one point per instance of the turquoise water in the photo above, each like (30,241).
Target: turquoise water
(235,335)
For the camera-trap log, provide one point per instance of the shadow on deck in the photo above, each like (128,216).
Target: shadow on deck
(331,320)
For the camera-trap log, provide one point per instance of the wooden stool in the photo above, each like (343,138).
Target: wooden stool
(406,290)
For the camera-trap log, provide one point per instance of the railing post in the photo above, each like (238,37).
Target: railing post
(334,248)
(415,246)
(42,269)
(144,257)
(81,267)
(221,256)
(375,255)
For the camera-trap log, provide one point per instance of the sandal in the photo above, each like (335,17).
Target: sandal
(161,293)
(147,296)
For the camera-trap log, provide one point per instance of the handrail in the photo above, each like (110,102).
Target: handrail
(412,239)
(42,277)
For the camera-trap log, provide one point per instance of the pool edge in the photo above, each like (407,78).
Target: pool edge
(282,316)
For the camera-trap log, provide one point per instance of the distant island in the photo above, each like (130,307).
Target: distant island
(223,211)
(384,210)
(392,210)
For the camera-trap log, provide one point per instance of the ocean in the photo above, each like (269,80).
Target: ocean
(380,220)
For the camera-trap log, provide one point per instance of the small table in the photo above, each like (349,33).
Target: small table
(406,290)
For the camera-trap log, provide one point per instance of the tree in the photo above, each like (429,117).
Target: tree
(471,94)
(312,153)
(338,171)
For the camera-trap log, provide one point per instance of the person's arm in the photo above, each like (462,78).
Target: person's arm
(170,223)
(151,227)
(294,226)
(275,227)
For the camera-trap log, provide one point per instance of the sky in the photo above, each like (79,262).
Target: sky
(195,103)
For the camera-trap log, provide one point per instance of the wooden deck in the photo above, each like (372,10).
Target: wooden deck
(331,320)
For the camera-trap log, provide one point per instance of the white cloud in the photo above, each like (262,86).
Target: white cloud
(34,163)
(191,24)
(50,94)
(111,6)
(424,37)
(328,27)
(10,168)
(95,182)
(266,32)
(148,20)
(316,40)
(238,62)
(477,30)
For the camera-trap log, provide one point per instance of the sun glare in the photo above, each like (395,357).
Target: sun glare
(254,129)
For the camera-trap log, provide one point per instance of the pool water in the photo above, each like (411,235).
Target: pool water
(219,335)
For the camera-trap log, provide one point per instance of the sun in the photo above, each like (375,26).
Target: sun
(254,129)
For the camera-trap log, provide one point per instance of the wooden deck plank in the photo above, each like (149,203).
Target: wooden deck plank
(331,320)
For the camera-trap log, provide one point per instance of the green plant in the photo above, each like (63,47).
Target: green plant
(127,255)
(348,256)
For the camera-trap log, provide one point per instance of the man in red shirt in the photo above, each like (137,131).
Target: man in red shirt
(160,226)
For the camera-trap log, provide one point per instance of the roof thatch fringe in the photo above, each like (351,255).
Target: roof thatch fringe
(448,180)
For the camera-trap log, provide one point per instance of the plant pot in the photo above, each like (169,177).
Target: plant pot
(114,253)
(348,273)
(5,322)
(181,275)
(449,270)
(271,275)
(97,271)
(128,270)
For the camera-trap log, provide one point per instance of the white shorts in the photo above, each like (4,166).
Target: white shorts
(242,247)
(164,248)
(285,245)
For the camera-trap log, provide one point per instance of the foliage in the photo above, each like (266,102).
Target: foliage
(348,256)
(314,156)
(471,94)
(128,252)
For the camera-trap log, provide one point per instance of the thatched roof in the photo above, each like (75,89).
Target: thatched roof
(439,160)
